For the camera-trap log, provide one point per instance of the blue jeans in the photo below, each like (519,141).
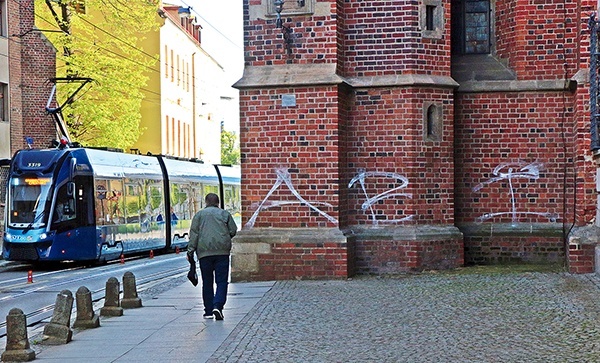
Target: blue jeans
(214,269)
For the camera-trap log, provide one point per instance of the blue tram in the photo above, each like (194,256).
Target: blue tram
(82,204)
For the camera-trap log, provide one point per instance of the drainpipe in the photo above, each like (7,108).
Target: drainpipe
(194,120)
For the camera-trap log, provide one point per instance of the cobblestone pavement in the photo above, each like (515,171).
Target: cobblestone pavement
(493,317)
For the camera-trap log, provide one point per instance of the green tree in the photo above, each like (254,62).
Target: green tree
(97,39)
(230,150)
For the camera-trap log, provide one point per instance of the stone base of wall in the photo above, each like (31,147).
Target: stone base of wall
(584,244)
(487,243)
(402,249)
(264,254)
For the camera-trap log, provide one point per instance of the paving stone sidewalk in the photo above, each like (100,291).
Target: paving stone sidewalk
(490,317)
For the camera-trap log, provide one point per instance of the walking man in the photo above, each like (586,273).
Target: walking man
(210,237)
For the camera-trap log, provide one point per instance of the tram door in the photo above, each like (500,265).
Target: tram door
(84,200)
(74,211)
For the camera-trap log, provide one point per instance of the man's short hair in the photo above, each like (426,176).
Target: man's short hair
(212,200)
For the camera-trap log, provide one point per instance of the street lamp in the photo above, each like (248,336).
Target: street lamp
(287,31)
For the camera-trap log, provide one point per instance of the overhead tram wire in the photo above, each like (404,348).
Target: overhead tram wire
(157,58)
(143,89)
(153,57)
(212,26)
(172,68)
(106,49)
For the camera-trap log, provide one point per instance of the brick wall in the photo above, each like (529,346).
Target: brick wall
(392,250)
(291,253)
(523,132)
(517,141)
(313,37)
(385,38)
(508,164)
(301,143)
(15,26)
(537,37)
(32,64)
(385,135)
(498,249)
(581,258)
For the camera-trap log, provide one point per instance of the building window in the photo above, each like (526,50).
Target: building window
(471,27)
(166,62)
(432,19)
(3,18)
(167,135)
(178,139)
(178,71)
(172,67)
(3,102)
(173,145)
(432,120)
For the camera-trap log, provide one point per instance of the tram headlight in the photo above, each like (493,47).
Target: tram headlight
(43,236)
(7,237)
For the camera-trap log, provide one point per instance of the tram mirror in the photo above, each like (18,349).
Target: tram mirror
(71,189)
(73,165)
(67,211)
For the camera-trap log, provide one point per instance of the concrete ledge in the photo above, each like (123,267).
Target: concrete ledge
(517,86)
(585,235)
(282,235)
(402,80)
(289,75)
(509,229)
(325,74)
(404,233)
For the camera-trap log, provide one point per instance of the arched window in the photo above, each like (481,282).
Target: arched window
(432,120)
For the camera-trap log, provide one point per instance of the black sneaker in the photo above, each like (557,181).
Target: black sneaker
(208,316)
(218,314)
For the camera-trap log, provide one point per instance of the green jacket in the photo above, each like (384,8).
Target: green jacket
(211,232)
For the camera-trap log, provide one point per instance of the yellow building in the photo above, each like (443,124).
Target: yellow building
(183,109)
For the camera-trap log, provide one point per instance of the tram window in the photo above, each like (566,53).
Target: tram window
(179,201)
(114,201)
(64,209)
(132,201)
(211,189)
(101,203)
(197,198)
(231,199)
(156,200)
(28,199)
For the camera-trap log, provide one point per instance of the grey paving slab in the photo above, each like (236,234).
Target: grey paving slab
(167,328)
(429,318)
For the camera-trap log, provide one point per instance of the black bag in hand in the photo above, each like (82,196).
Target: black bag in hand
(192,275)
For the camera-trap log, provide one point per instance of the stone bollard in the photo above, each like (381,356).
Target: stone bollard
(58,330)
(111,299)
(86,319)
(130,296)
(17,343)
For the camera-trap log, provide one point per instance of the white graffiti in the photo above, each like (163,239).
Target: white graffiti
(390,193)
(283,177)
(510,171)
